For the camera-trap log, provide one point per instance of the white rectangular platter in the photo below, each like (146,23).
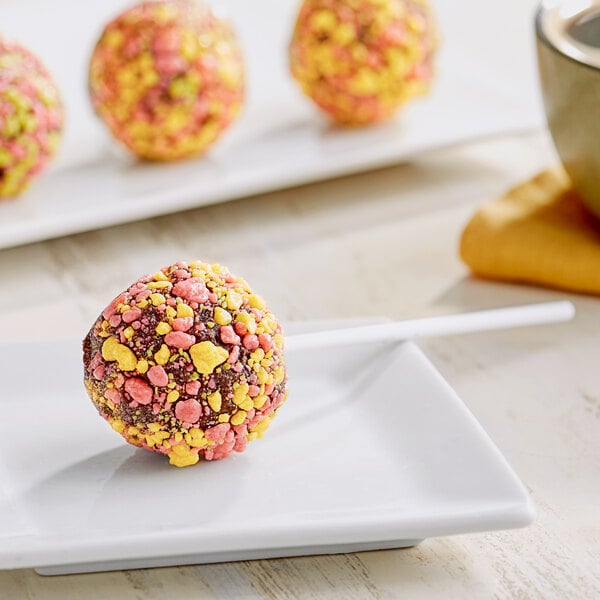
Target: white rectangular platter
(372,450)
(485,84)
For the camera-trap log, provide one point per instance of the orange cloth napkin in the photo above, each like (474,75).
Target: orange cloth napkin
(538,232)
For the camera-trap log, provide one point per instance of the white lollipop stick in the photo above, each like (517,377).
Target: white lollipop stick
(393,331)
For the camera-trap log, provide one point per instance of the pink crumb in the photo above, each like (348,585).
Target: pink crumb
(178,339)
(223,450)
(265,341)
(234,355)
(240,328)
(99,372)
(113,395)
(143,295)
(111,309)
(139,390)
(241,441)
(166,40)
(228,336)
(250,342)
(218,432)
(182,274)
(193,290)
(115,320)
(158,376)
(192,388)
(133,314)
(183,323)
(188,410)
(96,360)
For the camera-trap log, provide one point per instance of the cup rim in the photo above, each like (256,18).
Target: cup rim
(565,45)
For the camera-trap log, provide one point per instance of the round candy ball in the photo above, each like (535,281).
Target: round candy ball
(167,78)
(31,117)
(360,60)
(187,362)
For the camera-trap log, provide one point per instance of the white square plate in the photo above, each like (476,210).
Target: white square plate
(372,450)
(485,84)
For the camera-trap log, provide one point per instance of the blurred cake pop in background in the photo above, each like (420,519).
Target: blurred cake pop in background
(167,78)
(31,117)
(360,60)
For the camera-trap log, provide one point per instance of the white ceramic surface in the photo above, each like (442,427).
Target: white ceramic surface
(372,450)
(280,140)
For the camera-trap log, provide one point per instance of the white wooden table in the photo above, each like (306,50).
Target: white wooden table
(383,243)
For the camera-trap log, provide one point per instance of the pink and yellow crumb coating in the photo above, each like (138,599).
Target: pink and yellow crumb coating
(31,117)
(167,78)
(187,362)
(360,60)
